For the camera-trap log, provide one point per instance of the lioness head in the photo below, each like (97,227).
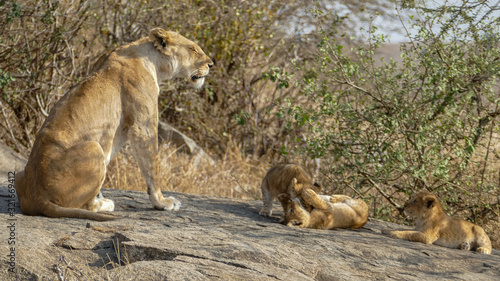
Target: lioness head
(186,58)
(422,205)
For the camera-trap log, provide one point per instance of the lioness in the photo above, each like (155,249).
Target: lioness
(118,102)
(278,180)
(322,211)
(435,227)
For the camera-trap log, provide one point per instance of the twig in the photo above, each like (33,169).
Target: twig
(389,198)
(40,105)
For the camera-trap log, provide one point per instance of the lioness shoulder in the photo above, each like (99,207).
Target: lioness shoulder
(433,226)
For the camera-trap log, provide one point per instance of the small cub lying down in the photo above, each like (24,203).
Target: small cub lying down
(435,227)
(321,211)
(278,180)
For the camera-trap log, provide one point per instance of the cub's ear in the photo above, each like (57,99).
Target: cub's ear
(160,37)
(318,186)
(429,201)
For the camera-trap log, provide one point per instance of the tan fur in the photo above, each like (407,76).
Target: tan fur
(116,104)
(326,212)
(433,226)
(278,180)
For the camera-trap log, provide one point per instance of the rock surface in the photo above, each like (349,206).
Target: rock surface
(10,161)
(214,238)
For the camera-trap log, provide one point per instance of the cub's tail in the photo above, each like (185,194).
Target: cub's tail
(55,211)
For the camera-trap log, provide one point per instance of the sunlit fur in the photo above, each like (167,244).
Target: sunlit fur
(116,104)
(433,226)
(324,212)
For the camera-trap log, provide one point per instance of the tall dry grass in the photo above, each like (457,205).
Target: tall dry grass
(232,175)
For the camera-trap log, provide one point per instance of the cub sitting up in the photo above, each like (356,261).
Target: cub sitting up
(322,211)
(435,227)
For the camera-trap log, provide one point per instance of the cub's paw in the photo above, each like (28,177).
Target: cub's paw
(265,212)
(465,246)
(294,223)
(483,250)
(283,220)
(389,232)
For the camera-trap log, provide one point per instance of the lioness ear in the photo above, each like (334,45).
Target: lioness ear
(160,37)
(318,186)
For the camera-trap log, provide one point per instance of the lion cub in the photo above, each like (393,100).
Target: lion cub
(435,227)
(322,211)
(278,180)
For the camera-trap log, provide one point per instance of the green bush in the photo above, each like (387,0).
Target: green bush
(49,46)
(387,129)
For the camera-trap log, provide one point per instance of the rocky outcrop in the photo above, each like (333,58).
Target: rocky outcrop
(214,238)
(183,143)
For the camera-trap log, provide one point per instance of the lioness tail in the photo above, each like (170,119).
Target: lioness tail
(55,211)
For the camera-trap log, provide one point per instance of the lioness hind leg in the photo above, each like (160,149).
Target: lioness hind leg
(75,178)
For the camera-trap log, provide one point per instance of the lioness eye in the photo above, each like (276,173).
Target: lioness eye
(195,51)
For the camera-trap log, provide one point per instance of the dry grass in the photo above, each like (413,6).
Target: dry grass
(231,176)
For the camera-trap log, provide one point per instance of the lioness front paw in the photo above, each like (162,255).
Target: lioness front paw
(307,193)
(265,212)
(169,203)
(483,250)
(295,223)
